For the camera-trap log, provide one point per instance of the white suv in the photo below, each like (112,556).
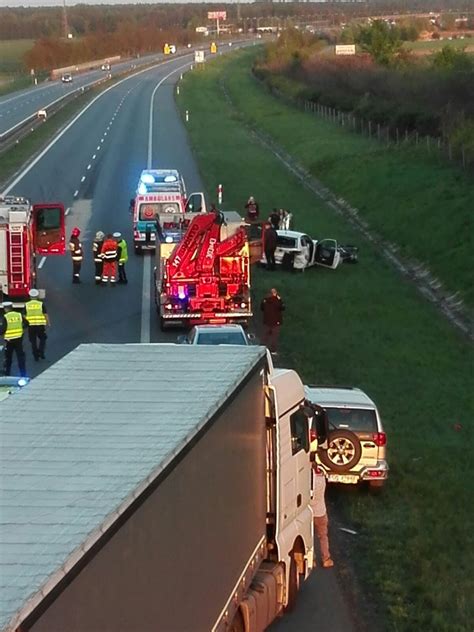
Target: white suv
(347,435)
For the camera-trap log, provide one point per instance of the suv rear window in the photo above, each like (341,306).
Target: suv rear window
(356,419)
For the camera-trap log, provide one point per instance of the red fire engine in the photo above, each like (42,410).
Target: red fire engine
(27,230)
(206,279)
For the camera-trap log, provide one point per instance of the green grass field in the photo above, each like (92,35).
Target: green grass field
(11,55)
(366,326)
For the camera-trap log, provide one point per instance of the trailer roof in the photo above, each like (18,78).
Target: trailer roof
(84,439)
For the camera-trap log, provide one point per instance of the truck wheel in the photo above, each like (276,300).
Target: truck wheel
(293,585)
(162,324)
(343,451)
(238,623)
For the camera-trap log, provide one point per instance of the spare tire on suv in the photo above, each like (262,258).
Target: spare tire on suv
(343,451)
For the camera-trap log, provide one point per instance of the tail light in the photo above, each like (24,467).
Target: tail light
(380,439)
(136,234)
(375,473)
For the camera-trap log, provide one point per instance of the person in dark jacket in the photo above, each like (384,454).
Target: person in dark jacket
(272,307)
(75,248)
(275,219)
(98,261)
(270,237)
(252,208)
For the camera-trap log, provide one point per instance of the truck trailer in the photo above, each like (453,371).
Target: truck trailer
(154,487)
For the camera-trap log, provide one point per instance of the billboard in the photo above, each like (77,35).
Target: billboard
(217,15)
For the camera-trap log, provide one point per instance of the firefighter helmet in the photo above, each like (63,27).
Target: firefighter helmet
(33,293)
(75,232)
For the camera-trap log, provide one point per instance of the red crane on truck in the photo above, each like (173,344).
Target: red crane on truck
(27,230)
(206,279)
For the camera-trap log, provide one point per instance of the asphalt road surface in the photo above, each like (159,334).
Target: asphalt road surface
(15,108)
(93,168)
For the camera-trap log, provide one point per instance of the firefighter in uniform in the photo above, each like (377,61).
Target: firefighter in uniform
(37,318)
(98,261)
(122,257)
(12,326)
(75,248)
(109,255)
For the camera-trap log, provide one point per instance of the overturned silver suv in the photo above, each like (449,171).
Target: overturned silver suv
(347,435)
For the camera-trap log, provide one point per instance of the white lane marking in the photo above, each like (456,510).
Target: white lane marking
(98,148)
(105,134)
(41,263)
(68,210)
(35,161)
(94,156)
(83,178)
(146,285)
(101,140)
(76,193)
(88,167)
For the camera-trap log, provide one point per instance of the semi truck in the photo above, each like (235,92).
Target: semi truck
(168,491)
(26,231)
(206,278)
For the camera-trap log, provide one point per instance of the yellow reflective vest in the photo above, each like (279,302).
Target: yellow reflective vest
(14,326)
(34,313)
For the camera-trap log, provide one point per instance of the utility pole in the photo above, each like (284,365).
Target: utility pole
(65,23)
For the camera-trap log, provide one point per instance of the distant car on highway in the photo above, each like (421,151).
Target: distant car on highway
(216,335)
(105,66)
(348,438)
(66,77)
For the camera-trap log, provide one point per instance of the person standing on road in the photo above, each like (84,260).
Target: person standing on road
(272,307)
(275,219)
(75,248)
(270,237)
(320,516)
(122,257)
(96,250)
(12,326)
(109,255)
(38,320)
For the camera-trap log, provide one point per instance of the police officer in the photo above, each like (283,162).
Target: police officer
(12,326)
(75,248)
(37,317)
(122,257)
(98,261)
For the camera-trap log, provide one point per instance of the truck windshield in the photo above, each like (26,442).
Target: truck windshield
(221,339)
(356,419)
(150,210)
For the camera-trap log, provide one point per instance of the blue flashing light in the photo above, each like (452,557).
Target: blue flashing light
(23,381)
(181,295)
(142,189)
(147,178)
(169,240)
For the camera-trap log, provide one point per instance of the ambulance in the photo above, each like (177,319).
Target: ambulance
(161,198)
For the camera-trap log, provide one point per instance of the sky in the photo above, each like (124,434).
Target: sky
(58,3)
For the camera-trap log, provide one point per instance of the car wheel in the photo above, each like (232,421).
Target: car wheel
(343,452)
(293,586)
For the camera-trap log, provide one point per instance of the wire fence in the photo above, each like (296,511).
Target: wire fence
(389,135)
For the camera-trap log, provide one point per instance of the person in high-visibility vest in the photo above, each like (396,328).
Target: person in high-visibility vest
(122,257)
(109,254)
(98,261)
(12,326)
(38,320)
(75,248)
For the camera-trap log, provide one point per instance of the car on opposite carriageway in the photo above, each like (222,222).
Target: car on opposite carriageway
(216,335)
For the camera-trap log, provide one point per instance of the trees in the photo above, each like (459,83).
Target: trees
(380,40)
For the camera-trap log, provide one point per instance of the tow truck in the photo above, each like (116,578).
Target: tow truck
(26,231)
(206,278)
(161,195)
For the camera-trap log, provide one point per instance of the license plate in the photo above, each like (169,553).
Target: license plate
(343,478)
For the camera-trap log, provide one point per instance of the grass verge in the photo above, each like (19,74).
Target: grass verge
(361,325)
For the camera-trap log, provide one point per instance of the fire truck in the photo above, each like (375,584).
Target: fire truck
(206,278)
(26,231)
(161,195)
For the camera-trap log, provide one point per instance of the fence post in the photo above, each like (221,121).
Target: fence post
(398,136)
(378,131)
(406,136)
(370,129)
(428,143)
(450,151)
(416,137)
(463,157)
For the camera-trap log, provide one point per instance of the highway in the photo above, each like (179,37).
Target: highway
(15,108)
(93,168)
